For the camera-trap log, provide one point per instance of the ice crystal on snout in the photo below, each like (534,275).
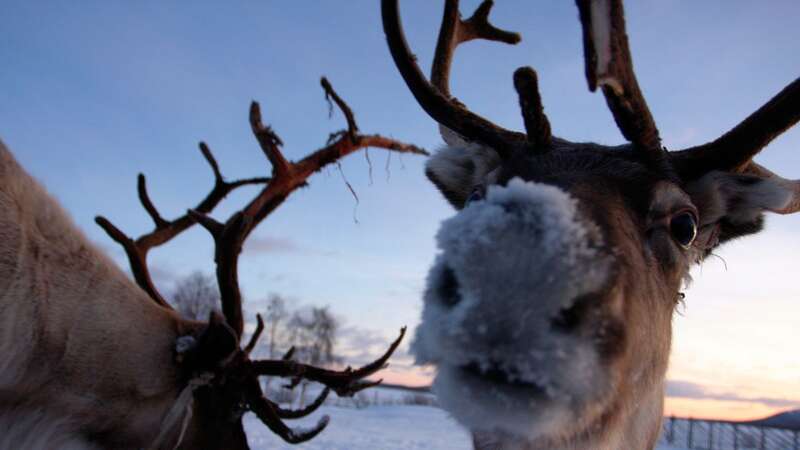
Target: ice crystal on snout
(510,264)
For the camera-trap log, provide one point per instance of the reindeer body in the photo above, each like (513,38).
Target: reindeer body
(83,348)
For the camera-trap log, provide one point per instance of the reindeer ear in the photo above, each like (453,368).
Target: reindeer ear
(214,345)
(733,205)
(456,170)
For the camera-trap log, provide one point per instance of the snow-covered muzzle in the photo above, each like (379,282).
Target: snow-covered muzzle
(517,271)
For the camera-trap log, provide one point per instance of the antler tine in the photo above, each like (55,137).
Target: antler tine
(137,249)
(536,124)
(302,412)
(344,383)
(256,335)
(267,414)
(289,354)
(228,240)
(437,104)
(287,177)
(455,31)
(609,65)
(734,149)
(137,260)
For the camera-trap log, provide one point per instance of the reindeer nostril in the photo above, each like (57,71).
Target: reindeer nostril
(569,319)
(448,288)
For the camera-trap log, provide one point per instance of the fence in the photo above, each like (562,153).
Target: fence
(720,435)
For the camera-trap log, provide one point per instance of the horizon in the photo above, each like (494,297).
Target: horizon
(96,95)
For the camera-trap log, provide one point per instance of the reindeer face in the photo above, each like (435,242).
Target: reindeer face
(548,310)
(526,306)
(554,288)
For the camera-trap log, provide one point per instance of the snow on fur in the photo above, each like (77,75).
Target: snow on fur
(520,257)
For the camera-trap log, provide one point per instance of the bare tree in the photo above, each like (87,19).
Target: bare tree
(314,333)
(275,316)
(196,296)
(314,338)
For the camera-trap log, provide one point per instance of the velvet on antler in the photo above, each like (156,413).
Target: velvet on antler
(438,104)
(609,66)
(455,31)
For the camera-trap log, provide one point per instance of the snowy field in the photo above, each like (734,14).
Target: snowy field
(381,427)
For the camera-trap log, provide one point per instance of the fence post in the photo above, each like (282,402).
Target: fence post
(711,435)
(736,436)
(671,434)
(689,436)
(796,440)
(763,444)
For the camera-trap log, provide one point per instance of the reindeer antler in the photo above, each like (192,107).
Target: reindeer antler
(229,237)
(437,104)
(137,249)
(286,177)
(455,31)
(610,66)
(735,149)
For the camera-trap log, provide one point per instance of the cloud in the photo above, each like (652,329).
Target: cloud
(272,244)
(269,244)
(688,389)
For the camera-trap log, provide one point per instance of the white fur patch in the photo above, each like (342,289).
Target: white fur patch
(458,169)
(601,38)
(452,138)
(721,194)
(601,34)
(520,257)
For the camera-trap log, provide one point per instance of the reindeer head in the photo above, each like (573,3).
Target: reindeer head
(548,310)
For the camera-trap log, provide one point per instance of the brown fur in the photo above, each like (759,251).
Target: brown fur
(79,340)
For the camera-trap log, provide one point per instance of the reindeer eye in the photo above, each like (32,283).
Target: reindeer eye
(475,196)
(683,227)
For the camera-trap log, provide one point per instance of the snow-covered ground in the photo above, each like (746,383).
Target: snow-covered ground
(381,427)
(372,428)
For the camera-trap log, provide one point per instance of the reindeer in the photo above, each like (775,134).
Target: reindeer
(92,360)
(548,311)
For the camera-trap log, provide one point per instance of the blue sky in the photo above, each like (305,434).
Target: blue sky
(93,95)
